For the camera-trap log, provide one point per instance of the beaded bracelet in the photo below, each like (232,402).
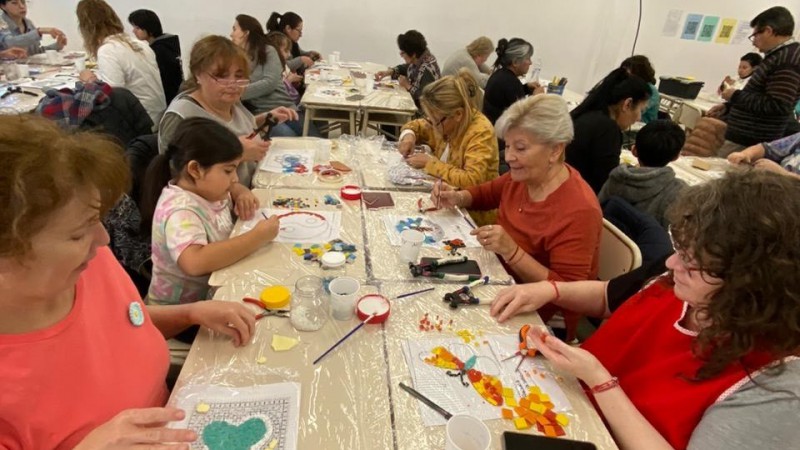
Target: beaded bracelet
(608,385)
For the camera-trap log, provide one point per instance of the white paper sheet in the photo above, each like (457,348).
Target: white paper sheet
(300,227)
(673,23)
(448,391)
(289,160)
(277,405)
(444,224)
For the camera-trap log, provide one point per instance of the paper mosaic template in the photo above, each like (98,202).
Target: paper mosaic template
(300,227)
(448,391)
(249,418)
(282,160)
(436,225)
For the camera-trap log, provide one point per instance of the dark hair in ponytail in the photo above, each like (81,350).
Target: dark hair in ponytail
(278,22)
(256,39)
(615,87)
(197,139)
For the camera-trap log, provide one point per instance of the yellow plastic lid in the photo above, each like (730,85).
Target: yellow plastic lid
(275,297)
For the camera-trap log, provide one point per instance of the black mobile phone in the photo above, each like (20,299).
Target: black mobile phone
(521,441)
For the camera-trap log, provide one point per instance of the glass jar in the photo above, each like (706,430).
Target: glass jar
(333,266)
(309,308)
(10,69)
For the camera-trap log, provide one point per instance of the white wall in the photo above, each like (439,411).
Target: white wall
(579,39)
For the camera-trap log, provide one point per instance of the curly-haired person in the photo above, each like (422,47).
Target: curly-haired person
(705,357)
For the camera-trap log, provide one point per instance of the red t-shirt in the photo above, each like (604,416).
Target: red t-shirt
(561,232)
(644,345)
(58,384)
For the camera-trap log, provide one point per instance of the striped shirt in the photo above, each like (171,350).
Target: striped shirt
(761,110)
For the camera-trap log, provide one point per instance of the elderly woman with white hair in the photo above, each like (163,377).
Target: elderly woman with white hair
(549,221)
(473,58)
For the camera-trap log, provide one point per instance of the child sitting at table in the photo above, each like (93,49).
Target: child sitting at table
(747,65)
(781,156)
(291,80)
(192,218)
(651,187)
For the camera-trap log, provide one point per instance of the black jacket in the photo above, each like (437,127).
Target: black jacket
(167,48)
(125,118)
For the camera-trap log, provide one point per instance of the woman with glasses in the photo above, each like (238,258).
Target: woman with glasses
(121,61)
(266,90)
(549,221)
(462,139)
(700,353)
(419,68)
(20,32)
(291,24)
(217,77)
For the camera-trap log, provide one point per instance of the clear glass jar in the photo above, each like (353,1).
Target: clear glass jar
(333,266)
(309,306)
(10,69)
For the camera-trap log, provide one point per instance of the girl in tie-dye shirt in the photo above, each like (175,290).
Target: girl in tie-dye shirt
(193,218)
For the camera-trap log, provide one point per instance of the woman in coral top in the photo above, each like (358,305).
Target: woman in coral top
(705,357)
(83,362)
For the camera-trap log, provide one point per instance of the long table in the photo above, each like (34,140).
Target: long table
(45,76)
(333,95)
(351,399)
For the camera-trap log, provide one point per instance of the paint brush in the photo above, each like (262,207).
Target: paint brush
(344,338)
(461,213)
(409,294)
(426,400)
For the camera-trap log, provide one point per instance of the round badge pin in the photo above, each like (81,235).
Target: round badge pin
(135,314)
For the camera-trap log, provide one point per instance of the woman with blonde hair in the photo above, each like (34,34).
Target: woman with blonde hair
(218,74)
(463,142)
(121,61)
(473,58)
(549,221)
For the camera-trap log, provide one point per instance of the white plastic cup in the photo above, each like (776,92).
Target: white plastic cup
(338,56)
(412,243)
(52,56)
(465,432)
(344,291)
(80,64)
(370,85)
(23,70)
(324,151)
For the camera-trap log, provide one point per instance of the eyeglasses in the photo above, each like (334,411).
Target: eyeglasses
(228,82)
(18,2)
(752,37)
(685,260)
(438,123)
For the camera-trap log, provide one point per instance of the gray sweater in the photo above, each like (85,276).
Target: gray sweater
(649,189)
(266,90)
(462,59)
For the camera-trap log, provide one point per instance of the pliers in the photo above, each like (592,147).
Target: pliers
(16,90)
(265,311)
(525,350)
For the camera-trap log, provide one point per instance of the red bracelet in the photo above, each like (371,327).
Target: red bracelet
(555,287)
(608,385)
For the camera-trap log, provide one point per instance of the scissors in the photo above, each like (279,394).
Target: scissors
(266,312)
(525,350)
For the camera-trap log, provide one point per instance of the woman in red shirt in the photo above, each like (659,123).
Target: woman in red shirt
(707,348)
(83,362)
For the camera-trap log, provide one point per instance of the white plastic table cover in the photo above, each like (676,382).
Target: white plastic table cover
(277,263)
(340,151)
(384,259)
(351,399)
